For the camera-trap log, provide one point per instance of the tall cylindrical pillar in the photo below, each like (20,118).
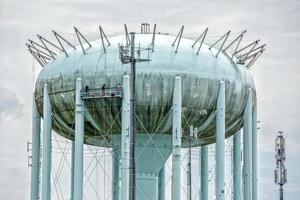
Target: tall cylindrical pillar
(125,139)
(115,175)
(79,136)
(46,164)
(247,132)
(254,152)
(220,140)
(176,141)
(72,169)
(237,166)
(35,164)
(161,184)
(204,172)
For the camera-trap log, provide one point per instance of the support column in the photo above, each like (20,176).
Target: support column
(176,141)
(47,127)
(125,139)
(254,152)
(204,172)
(72,170)
(237,166)
(115,175)
(247,132)
(220,139)
(35,165)
(79,139)
(161,184)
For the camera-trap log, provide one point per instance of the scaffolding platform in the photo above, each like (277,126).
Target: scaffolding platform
(116,92)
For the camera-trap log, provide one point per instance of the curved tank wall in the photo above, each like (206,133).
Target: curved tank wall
(154,87)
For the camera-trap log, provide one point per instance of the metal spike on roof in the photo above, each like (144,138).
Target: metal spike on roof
(59,38)
(44,41)
(238,38)
(79,35)
(253,50)
(127,35)
(252,61)
(153,37)
(33,48)
(36,45)
(36,57)
(247,46)
(179,36)
(224,38)
(203,35)
(102,35)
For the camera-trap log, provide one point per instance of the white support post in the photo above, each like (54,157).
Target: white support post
(35,165)
(220,140)
(46,164)
(79,140)
(204,173)
(237,166)
(72,169)
(125,139)
(115,175)
(247,132)
(254,152)
(176,141)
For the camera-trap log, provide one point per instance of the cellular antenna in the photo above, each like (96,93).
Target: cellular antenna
(280,173)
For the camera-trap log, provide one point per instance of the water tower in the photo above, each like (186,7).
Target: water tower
(147,88)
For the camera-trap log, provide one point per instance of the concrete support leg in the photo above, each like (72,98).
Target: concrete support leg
(35,165)
(79,137)
(161,184)
(47,127)
(72,170)
(237,166)
(254,153)
(220,139)
(204,173)
(125,140)
(247,132)
(115,174)
(176,141)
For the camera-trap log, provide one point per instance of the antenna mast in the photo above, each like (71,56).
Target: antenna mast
(131,54)
(280,173)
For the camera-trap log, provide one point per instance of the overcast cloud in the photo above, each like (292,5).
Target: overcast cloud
(277,72)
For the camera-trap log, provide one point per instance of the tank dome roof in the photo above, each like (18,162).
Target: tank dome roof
(200,74)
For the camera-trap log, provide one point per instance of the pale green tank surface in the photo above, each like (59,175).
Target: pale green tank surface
(200,74)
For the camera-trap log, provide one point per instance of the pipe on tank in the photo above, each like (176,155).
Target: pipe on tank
(125,139)
(204,172)
(247,132)
(79,137)
(35,164)
(47,127)
(176,141)
(220,140)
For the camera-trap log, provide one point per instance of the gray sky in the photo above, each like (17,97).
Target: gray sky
(277,73)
